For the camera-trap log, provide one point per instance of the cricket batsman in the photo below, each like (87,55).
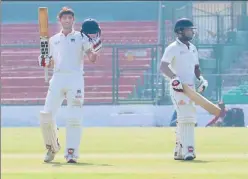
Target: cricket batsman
(66,51)
(180,64)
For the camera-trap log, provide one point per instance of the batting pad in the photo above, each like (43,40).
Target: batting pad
(187,137)
(49,131)
(73,129)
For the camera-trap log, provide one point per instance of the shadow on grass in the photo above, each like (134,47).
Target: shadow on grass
(60,164)
(196,161)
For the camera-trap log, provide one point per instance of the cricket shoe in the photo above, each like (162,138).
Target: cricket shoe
(50,155)
(190,155)
(178,152)
(70,157)
(178,157)
(186,157)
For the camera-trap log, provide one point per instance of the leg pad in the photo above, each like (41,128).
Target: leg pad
(49,131)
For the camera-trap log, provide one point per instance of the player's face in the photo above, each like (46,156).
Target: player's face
(188,33)
(67,21)
(93,36)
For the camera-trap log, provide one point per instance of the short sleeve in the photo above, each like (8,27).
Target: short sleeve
(168,55)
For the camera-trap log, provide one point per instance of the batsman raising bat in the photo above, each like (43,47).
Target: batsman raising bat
(180,64)
(66,51)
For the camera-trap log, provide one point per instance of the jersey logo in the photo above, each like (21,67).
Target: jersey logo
(72,40)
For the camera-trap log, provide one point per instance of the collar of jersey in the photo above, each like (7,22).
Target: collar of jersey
(177,39)
(71,33)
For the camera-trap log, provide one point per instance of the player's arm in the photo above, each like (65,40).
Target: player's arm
(166,60)
(51,64)
(197,66)
(203,83)
(166,70)
(92,48)
(168,57)
(197,71)
(91,56)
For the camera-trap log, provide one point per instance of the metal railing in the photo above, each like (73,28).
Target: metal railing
(135,76)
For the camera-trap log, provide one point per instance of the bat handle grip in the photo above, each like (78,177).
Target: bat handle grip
(46,74)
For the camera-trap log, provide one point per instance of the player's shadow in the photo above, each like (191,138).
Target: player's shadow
(195,161)
(59,164)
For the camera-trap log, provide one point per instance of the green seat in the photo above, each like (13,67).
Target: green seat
(235,99)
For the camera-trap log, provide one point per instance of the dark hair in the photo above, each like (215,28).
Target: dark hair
(65,10)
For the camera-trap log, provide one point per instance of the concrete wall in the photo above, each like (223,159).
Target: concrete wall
(123,115)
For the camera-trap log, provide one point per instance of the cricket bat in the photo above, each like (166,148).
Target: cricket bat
(44,36)
(201,101)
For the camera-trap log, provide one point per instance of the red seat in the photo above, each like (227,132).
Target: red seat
(93,88)
(35,101)
(111,31)
(89,80)
(19,67)
(88,94)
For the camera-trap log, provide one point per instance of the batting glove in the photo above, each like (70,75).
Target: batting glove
(43,62)
(96,45)
(203,84)
(176,84)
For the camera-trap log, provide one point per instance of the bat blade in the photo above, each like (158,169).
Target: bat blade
(201,101)
(44,35)
(43,21)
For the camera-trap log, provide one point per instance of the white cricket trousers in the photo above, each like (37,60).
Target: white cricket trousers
(185,108)
(69,86)
(186,119)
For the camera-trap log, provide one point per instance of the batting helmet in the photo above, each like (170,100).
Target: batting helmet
(183,23)
(90,26)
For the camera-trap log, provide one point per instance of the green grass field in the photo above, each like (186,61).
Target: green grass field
(127,153)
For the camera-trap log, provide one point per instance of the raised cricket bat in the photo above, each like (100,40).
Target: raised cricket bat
(44,36)
(201,101)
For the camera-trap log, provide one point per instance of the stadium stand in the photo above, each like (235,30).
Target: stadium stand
(22,79)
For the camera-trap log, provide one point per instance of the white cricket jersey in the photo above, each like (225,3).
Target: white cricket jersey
(68,51)
(182,60)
